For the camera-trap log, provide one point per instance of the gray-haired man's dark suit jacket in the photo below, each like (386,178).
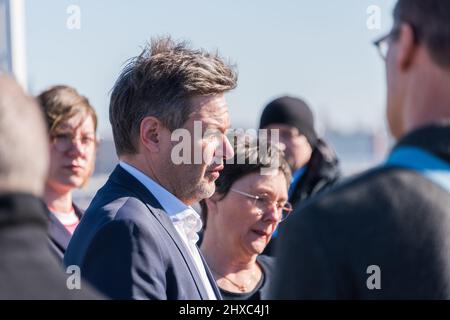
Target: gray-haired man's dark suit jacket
(128,248)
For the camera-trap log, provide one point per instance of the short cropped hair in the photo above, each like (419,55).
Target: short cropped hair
(159,83)
(430,20)
(60,103)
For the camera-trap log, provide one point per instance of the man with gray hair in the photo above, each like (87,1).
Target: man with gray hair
(137,239)
(28,269)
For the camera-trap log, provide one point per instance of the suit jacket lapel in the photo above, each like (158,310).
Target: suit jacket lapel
(210,276)
(79,213)
(125,179)
(58,233)
(173,233)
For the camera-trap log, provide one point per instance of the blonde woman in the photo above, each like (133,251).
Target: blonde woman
(72,126)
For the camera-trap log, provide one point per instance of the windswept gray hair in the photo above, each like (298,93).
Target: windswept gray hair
(159,83)
(24,152)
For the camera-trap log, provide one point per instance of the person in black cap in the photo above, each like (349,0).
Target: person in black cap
(314,164)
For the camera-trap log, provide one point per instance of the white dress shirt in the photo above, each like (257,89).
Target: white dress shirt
(186,220)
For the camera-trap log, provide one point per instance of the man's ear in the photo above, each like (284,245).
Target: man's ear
(406,47)
(150,133)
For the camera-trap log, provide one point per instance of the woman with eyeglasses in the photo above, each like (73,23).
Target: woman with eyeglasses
(72,126)
(239,219)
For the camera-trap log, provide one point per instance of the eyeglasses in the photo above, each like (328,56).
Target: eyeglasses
(382,43)
(262,203)
(382,46)
(63,142)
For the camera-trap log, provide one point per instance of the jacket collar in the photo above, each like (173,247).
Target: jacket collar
(58,234)
(22,208)
(433,138)
(131,184)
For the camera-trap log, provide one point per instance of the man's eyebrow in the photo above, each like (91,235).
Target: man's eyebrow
(218,125)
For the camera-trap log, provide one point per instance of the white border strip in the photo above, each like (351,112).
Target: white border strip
(18,42)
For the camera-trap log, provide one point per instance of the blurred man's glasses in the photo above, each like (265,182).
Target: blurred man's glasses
(63,142)
(262,203)
(382,43)
(382,46)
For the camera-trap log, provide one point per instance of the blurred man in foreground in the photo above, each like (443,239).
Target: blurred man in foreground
(386,233)
(28,269)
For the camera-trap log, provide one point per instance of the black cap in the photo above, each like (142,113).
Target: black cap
(291,111)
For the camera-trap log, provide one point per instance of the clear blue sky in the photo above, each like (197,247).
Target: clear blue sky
(320,50)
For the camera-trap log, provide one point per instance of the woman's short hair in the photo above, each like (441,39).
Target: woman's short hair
(250,156)
(60,103)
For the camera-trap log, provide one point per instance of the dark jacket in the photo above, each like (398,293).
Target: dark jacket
(28,269)
(391,218)
(59,236)
(322,172)
(128,248)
